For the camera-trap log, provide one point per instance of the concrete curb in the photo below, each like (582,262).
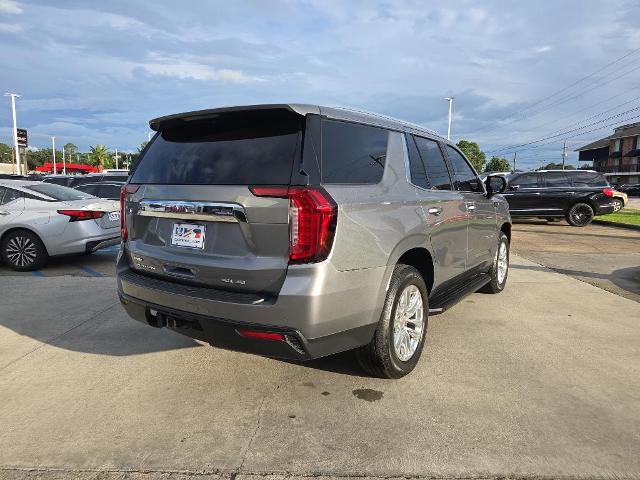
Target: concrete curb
(616,224)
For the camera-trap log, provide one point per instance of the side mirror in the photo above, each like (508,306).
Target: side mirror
(495,184)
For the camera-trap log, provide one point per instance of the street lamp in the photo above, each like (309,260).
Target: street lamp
(15,129)
(450,100)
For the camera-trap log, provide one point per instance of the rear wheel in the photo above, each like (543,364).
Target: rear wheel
(580,215)
(22,250)
(500,268)
(397,344)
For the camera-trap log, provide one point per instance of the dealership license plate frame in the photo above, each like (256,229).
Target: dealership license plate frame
(188,239)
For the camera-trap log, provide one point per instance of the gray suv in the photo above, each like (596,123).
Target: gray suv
(299,231)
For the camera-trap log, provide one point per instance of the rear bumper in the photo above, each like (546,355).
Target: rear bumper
(94,245)
(323,310)
(604,208)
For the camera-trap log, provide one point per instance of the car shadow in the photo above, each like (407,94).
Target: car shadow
(627,279)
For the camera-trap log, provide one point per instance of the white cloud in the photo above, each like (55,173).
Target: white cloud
(10,28)
(10,6)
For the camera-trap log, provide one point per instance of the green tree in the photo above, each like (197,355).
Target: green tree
(473,153)
(70,150)
(6,153)
(99,156)
(498,164)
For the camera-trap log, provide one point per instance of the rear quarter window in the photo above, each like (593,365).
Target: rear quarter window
(353,153)
(588,179)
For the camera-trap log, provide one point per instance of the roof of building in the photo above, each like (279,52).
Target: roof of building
(628,130)
(336,113)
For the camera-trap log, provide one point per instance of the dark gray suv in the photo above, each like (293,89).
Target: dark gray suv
(299,231)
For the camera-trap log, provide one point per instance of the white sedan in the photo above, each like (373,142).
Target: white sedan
(39,220)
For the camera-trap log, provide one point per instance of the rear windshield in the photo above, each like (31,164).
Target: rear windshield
(239,148)
(58,192)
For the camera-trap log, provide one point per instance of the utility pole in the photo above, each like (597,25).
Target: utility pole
(15,129)
(564,154)
(53,147)
(515,155)
(148,136)
(116,159)
(64,161)
(450,100)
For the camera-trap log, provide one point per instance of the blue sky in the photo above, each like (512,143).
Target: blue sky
(96,72)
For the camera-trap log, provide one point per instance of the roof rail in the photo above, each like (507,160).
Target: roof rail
(387,117)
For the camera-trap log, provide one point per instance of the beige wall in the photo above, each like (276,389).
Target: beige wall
(7,168)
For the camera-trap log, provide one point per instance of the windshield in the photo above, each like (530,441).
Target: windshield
(58,192)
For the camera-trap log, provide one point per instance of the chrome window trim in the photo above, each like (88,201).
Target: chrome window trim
(206,211)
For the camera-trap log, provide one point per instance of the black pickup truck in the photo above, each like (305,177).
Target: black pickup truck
(576,195)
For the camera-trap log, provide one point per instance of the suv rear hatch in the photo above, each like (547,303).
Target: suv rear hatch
(190,213)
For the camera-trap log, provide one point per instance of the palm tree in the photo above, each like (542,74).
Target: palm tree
(99,155)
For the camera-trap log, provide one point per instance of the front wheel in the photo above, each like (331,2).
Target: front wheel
(617,204)
(22,250)
(500,269)
(580,215)
(399,338)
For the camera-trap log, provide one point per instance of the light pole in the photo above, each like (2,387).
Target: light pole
(53,148)
(15,129)
(450,100)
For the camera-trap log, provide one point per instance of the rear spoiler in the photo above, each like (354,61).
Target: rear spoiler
(160,123)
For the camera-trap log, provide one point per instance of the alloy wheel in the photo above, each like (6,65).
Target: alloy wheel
(408,323)
(21,251)
(503,262)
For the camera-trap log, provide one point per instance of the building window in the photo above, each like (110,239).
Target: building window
(616,145)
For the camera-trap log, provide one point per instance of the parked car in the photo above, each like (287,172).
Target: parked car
(11,176)
(63,180)
(108,190)
(40,220)
(575,195)
(631,189)
(299,231)
(73,181)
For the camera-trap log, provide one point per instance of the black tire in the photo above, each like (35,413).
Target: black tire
(23,251)
(379,358)
(617,204)
(495,286)
(580,215)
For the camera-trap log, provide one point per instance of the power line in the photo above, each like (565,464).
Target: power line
(538,102)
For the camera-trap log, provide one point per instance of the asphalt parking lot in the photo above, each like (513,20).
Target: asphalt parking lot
(542,380)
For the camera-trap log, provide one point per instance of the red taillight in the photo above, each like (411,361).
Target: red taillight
(124,191)
(312,221)
(279,337)
(78,215)
(608,192)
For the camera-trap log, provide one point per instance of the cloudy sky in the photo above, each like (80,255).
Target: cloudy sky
(96,72)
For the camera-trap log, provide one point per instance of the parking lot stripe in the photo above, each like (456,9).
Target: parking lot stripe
(38,273)
(91,271)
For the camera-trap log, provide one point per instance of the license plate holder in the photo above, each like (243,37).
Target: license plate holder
(114,216)
(188,235)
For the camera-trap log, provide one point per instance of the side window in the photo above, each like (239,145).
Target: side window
(416,168)
(528,180)
(555,179)
(10,195)
(437,172)
(2,190)
(588,179)
(352,153)
(462,173)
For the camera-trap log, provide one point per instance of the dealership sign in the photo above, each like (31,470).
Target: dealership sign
(22,137)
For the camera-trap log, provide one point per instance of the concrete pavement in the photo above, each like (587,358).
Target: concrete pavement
(541,380)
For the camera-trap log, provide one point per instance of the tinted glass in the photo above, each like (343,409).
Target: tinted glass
(58,180)
(437,173)
(555,179)
(88,188)
(462,172)
(118,177)
(528,180)
(241,148)
(58,192)
(416,168)
(109,191)
(587,179)
(10,195)
(352,153)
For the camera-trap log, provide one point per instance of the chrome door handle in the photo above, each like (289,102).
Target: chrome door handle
(435,211)
(4,212)
(471,207)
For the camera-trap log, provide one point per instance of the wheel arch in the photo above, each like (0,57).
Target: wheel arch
(28,229)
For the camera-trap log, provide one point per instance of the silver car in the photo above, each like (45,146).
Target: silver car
(39,220)
(298,231)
